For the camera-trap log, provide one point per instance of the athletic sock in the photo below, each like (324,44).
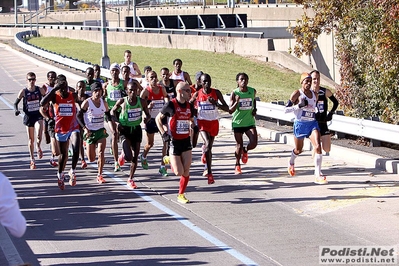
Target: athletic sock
(318,158)
(183,184)
(293,157)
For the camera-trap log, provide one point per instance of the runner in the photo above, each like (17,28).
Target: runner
(178,74)
(134,68)
(144,82)
(114,91)
(208,118)
(128,124)
(89,80)
(303,103)
(243,108)
(322,105)
(33,119)
(168,83)
(91,119)
(194,135)
(49,129)
(181,114)
(97,74)
(66,127)
(81,90)
(156,96)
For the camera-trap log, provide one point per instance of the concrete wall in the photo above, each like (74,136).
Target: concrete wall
(280,18)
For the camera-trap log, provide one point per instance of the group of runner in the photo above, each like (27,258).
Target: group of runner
(83,117)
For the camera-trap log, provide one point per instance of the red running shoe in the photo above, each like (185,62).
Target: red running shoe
(244,157)
(210,179)
(131,184)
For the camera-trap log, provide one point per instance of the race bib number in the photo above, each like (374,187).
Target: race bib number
(308,115)
(206,107)
(320,106)
(245,104)
(182,127)
(133,114)
(97,120)
(33,106)
(65,109)
(157,105)
(115,95)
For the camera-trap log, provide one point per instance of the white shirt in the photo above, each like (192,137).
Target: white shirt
(10,215)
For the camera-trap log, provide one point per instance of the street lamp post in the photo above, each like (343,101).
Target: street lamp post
(15,12)
(104,59)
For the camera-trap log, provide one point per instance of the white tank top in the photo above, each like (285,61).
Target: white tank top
(177,76)
(307,113)
(94,117)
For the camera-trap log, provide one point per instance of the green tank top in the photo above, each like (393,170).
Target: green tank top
(114,93)
(242,116)
(132,115)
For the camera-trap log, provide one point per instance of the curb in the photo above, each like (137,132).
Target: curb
(349,155)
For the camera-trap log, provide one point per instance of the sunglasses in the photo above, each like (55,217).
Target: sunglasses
(30,79)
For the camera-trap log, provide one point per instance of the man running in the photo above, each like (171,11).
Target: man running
(128,124)
(243,108)
(156,96)
(134,68)
(66,127)
(303,103)
(181,114)
(178,74)
(208,100)
(33,119)
(114,91)
(91,119)
(49,129)
(322,105)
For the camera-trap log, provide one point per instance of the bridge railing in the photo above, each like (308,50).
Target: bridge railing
(373,130)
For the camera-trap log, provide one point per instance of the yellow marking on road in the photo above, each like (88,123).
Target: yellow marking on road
(350,199)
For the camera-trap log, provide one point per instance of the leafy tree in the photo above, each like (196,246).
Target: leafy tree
(367,47)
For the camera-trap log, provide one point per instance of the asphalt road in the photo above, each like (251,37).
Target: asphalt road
(262,217)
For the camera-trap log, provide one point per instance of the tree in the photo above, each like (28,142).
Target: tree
(367,47)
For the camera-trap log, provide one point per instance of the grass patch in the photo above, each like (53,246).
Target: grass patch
(271,82)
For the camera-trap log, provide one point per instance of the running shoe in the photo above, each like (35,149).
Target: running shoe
(237,170)
(121,159)
(210,179)
(182,199)
(244,157)
(163,171)
(32,165)
(291,170)
(131,184)
(144,162)
(321,180)
(84,164)
(166,159)
(100,179)
(72,178)
(117,167)
(53,163)
(39,153)
(61,183)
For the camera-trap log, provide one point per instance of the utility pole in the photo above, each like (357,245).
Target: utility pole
(104,59)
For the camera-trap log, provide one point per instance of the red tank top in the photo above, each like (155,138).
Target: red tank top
(179,123)
(65,113)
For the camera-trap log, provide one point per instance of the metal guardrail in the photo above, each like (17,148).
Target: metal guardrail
(373,130)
